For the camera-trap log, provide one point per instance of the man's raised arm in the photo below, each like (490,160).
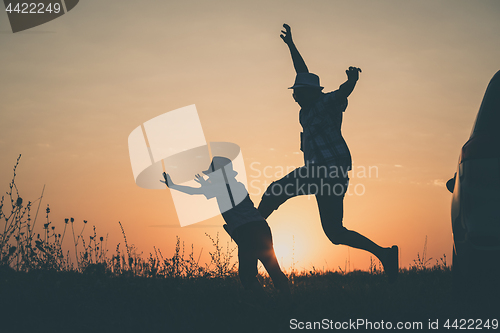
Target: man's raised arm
(347,87)
(298,62)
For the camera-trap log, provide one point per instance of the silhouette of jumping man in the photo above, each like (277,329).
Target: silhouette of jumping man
(244,223)
(326,157)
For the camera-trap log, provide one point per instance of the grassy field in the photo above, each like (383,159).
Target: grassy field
(50,301)
(46,289)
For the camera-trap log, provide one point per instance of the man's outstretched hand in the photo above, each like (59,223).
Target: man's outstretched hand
(347,87)
(353,73)
(286,34)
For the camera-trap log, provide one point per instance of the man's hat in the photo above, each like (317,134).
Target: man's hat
(218,162)
(306,80)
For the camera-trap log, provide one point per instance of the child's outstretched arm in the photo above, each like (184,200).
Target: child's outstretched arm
(185,189)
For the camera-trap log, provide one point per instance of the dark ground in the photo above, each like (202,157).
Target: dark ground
(43,301)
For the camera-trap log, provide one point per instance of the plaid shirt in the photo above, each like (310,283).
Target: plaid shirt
(321,140)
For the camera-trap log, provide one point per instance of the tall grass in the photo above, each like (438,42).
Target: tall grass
(24,250)
(20,248)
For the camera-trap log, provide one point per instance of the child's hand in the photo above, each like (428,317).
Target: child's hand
(168,181)
(199,179)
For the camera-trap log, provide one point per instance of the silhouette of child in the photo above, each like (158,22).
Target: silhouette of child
(244,223)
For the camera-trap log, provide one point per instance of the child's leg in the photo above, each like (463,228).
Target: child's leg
(267,256)
(247,269)
(272,266)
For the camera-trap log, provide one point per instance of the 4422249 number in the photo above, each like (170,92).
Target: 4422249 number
(471,324)
(34,8)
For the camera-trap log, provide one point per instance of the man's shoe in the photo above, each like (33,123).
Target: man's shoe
(391,266)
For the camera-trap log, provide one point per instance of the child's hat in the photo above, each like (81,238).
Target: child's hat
(218,162)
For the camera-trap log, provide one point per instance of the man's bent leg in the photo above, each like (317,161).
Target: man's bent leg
(331,211)
(283,189)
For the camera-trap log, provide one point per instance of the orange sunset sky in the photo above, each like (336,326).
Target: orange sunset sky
(73,89)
